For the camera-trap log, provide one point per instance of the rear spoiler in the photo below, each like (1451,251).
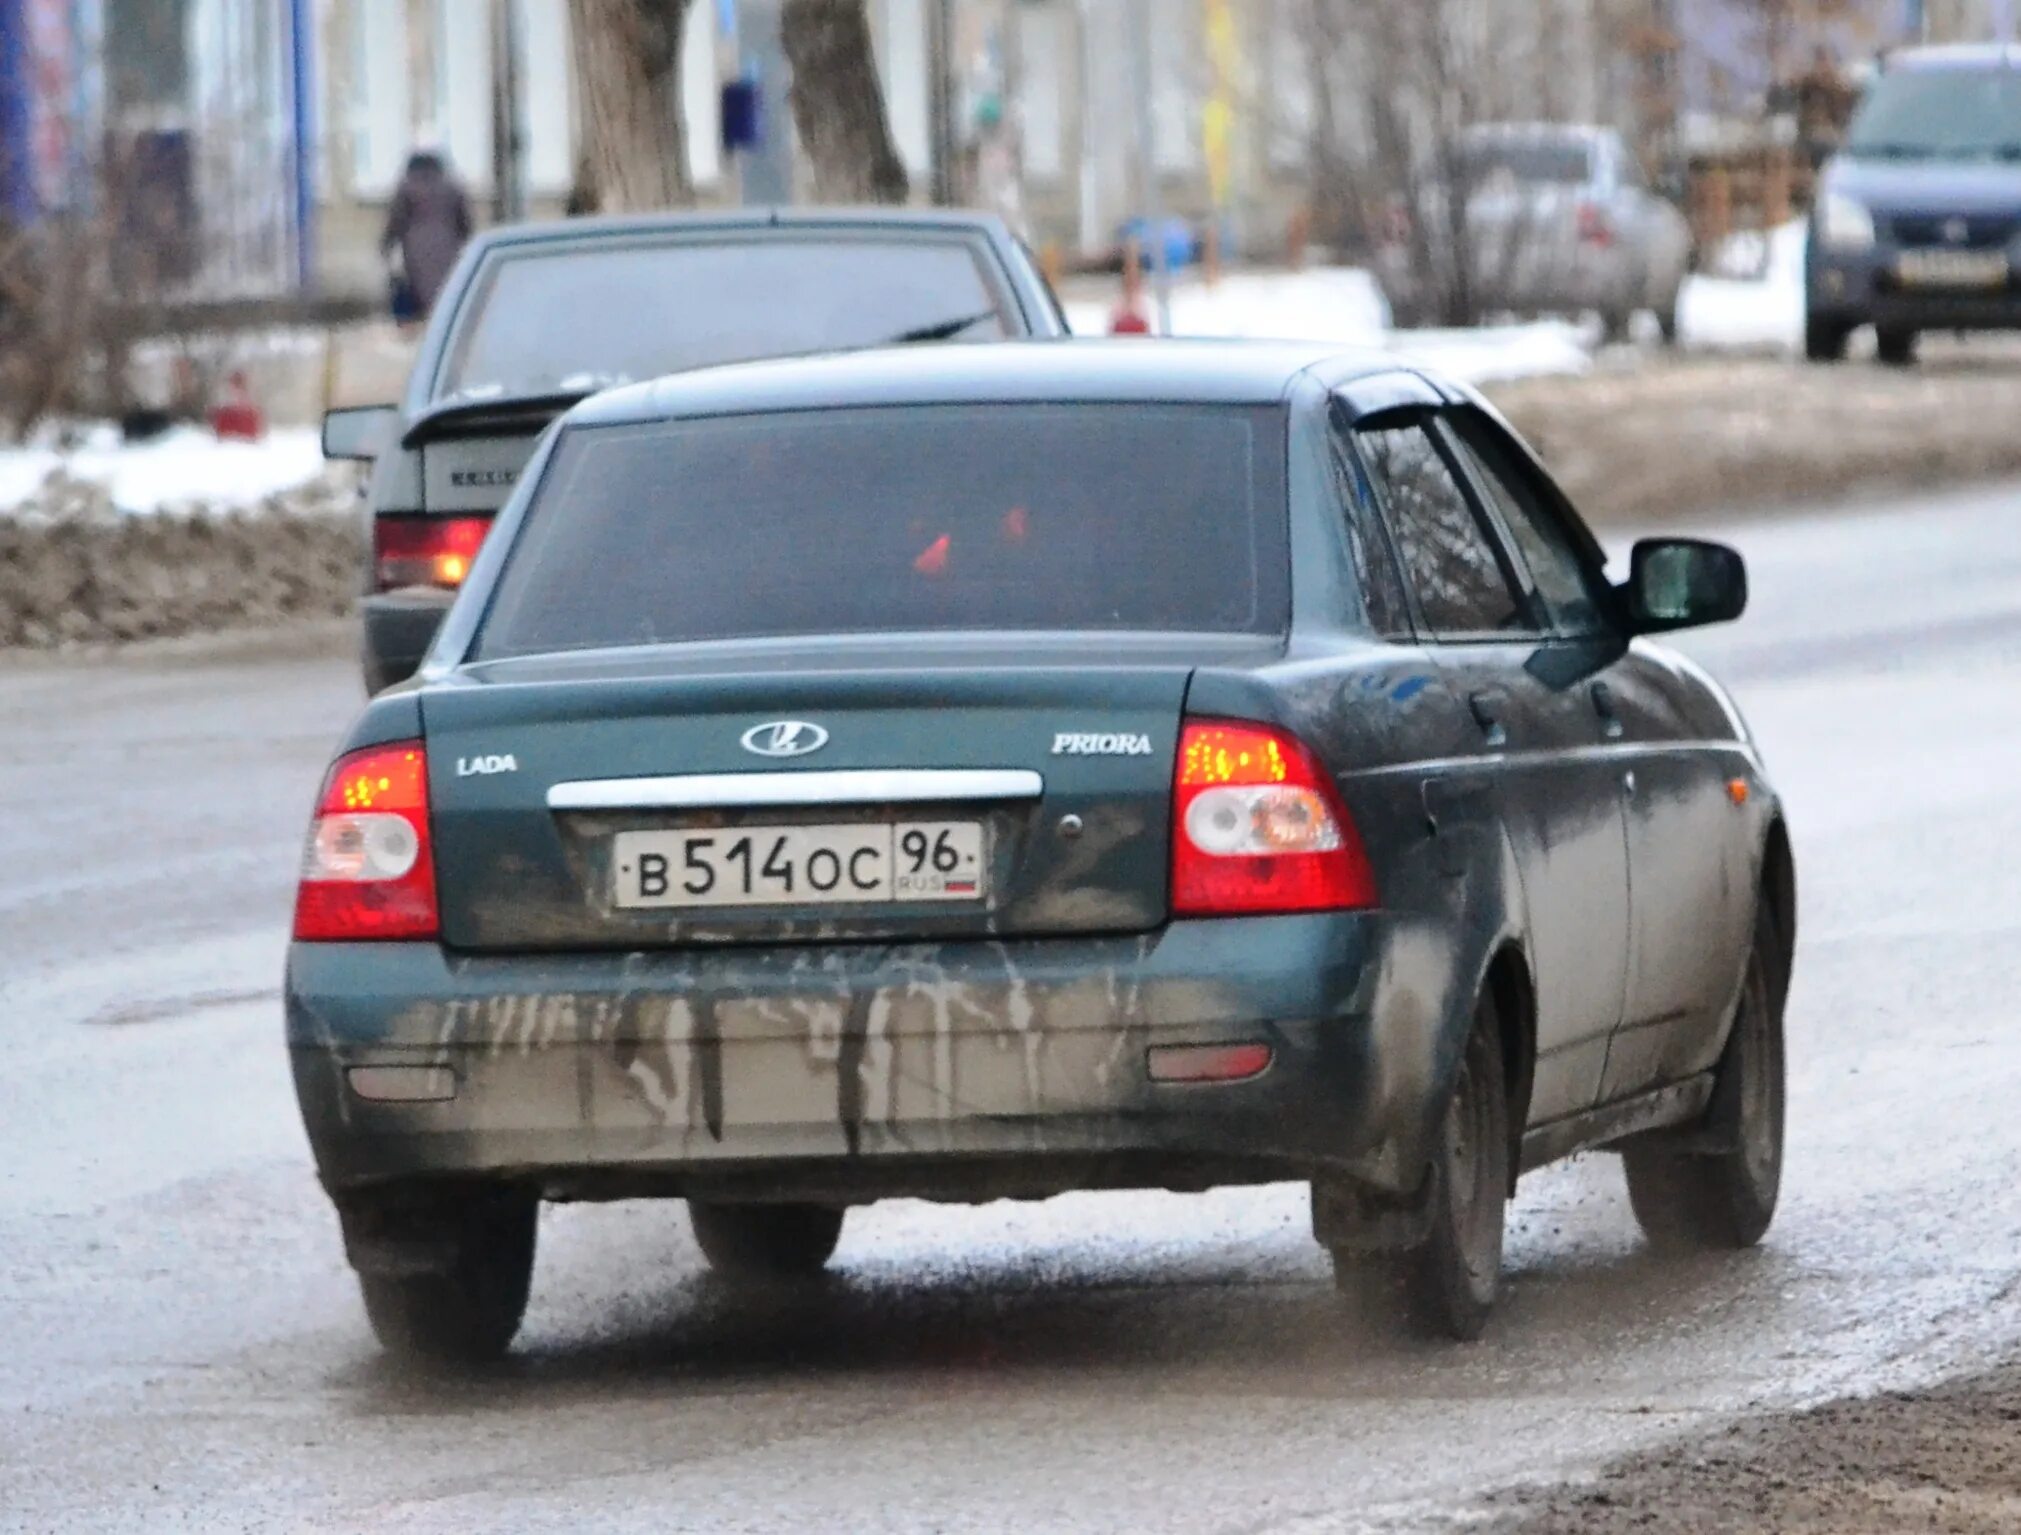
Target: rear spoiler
(453,418)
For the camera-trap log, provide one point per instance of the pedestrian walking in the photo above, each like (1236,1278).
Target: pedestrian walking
(425,229)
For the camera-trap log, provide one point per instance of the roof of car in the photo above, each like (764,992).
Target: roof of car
(1029,372)
(1957,56)
(633,225)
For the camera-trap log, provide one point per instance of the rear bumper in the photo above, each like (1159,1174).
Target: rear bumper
(970,1070)
(398,629)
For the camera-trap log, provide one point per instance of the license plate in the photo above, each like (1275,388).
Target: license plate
(801,865)
(1953,269)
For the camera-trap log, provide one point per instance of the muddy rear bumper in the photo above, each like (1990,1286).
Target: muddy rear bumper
(969,1070)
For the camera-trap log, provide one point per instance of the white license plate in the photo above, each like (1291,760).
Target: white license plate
(801,865)
(1953,269)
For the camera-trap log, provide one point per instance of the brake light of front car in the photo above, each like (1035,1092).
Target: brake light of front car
(425,551)
(1258,827)
(368,872)
(1595,228)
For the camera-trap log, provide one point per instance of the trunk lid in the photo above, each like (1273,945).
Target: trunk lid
(538,767)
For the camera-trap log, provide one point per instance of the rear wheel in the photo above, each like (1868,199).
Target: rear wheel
(1825,340)
(1667,318)
(1725,1199)
(1446,1285)
(1896,348)
(467,1311)
(770,1242)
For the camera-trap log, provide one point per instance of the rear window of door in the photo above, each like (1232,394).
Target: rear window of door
(1465,588)
(902,519)
(1572,595)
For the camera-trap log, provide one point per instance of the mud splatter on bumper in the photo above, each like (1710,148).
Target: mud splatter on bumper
(843,1056)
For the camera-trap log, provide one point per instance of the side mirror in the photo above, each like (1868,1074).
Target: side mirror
(360,432)
(1683,583)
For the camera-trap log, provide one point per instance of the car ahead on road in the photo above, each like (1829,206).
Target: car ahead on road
(992,772)
(536,317)
(1559,220)
(1917,224)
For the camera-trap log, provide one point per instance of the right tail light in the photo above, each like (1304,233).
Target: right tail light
(1258,827)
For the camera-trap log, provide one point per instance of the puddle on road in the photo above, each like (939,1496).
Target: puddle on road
(161,1009)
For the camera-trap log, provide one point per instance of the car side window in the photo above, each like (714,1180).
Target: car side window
(1566,587)
(1464,589)
(1368,545)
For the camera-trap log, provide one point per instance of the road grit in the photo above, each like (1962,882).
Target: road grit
(1946,1461)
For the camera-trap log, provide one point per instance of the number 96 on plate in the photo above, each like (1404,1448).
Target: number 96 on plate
(800,865)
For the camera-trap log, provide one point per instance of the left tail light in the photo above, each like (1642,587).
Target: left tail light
(369,869)
(1595,228)
(425,551)
(1258,827)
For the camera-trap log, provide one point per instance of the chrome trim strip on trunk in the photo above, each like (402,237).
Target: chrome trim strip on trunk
(872,786)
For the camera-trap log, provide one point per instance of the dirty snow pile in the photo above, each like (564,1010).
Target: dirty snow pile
(1345,306)
(185,467)
(77,568)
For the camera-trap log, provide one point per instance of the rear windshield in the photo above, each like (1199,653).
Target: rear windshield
(1030,517)
(1948,113)
(581,316)
(1528,161)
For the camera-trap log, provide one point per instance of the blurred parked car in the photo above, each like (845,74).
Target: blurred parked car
(1918,221)
(1559,220)
(536,318)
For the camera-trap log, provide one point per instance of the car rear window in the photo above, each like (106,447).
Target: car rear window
(900,519)
(1971,113)
(580,316)
(1529,162)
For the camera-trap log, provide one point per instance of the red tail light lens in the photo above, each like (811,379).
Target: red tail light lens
(1594,226)
(425,551)
(369,871)
(1257,827)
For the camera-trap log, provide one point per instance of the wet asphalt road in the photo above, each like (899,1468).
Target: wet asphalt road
(181,1347)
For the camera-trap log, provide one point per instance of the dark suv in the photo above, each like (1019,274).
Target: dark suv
(1918,221)
(538,317)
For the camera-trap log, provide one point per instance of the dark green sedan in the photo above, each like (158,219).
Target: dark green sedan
(990,773)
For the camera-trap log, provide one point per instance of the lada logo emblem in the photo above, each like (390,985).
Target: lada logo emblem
(785,738)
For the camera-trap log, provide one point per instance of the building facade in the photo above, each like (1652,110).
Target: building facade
(257,141)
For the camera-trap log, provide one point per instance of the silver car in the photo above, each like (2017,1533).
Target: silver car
(1558,220)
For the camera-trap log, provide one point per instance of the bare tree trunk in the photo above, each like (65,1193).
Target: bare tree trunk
(838,104)
(628,76)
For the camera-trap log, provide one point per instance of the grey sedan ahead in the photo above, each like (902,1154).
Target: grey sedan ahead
(537,317)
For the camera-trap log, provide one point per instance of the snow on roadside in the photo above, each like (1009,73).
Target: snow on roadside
(186,466)
(1345,306)
(1728,313)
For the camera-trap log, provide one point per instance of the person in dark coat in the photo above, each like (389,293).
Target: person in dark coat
(425,229)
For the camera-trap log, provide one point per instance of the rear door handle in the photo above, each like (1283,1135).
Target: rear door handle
(1603,705)
(1487,712)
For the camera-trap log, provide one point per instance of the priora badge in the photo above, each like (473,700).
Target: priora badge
(785,738)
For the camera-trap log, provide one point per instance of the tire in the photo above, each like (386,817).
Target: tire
(469,1312)
(1724,1201)
(1447,1285)
(1667,318)
(1896,348)
(772,1243)
(1825,340)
